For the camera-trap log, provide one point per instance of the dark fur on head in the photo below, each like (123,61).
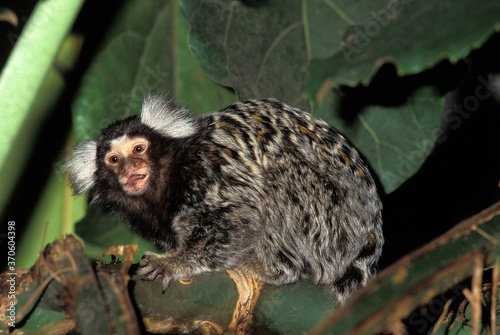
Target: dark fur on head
(110,192)
(88,172)
(258,186)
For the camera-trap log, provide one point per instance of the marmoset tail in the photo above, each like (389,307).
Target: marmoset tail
(258,186)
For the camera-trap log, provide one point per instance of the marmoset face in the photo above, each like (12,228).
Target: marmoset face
(128,159)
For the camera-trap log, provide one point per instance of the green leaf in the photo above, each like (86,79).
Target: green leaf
(264,50)
(292,309)
(51,218)
(213,294)
(395,140)
(21,82)
(413,35)
(258,51)
(144,52)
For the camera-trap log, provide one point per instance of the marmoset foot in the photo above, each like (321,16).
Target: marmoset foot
(248,294)
(153,265)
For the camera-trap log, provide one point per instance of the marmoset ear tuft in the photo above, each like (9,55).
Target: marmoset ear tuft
(161,115)
(81,167)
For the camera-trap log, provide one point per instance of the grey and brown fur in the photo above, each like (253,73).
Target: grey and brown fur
(258,186)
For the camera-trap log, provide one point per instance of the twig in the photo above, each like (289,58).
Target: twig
(441,317)
(474,295)
(485,235)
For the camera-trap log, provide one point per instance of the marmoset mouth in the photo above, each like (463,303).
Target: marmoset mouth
(135,177)
(136,184)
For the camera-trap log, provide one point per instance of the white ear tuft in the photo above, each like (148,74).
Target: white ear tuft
(163,117)
(82,166)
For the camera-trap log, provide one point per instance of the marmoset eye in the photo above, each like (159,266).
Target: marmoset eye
(113,159)
(140,148)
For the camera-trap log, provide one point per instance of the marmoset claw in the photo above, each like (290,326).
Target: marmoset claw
(152,266)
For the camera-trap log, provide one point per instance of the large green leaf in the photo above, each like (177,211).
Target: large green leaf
(144,52)
(258,51)
(264,49)
(414,35)
(52,216)
(23,81)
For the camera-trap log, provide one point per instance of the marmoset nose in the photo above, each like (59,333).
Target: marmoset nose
(133,163)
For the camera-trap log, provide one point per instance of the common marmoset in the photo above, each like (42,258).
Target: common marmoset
(258,186)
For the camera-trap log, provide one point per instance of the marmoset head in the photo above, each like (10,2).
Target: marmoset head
(128,156)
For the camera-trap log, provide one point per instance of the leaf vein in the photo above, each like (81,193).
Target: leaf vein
(276,41)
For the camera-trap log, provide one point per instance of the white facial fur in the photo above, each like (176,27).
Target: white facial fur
(81,167)
(166,119)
